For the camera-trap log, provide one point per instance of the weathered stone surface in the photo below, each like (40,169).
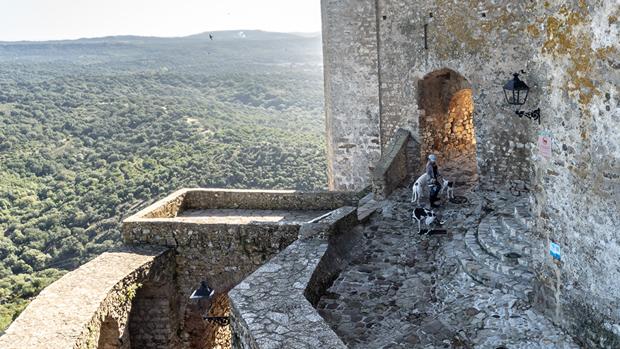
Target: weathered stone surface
(85,306)
(273,307)
(569,52)
(351,91)
(269,307)
(222,236)
(252,199)
(405,290)
(290,200)
(241,216)
(395,165)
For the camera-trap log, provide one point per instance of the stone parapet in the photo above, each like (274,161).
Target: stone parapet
(395,164)
(222,236)
(90,306)
(274,307)
(208,198)
(329,224)
(224,253)
(267,199)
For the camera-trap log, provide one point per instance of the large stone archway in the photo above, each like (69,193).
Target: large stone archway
(446,125)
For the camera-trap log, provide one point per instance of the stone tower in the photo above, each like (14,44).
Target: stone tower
(437,68)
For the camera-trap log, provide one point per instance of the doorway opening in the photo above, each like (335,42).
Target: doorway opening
(109,335)
(447,125)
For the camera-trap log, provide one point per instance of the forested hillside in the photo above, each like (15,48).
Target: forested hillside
(93,130)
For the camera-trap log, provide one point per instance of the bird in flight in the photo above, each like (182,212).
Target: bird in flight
(211,36)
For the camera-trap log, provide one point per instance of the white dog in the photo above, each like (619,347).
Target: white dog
(418,188)
(448,187)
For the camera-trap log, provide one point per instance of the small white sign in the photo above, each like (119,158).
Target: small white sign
(554,250)
(545,142)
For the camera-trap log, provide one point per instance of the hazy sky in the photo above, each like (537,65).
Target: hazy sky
(71,19)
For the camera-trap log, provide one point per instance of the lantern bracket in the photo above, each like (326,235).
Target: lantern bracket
(532,115)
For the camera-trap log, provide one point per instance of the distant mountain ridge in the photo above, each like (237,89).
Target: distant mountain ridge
(224,35)
(234,49)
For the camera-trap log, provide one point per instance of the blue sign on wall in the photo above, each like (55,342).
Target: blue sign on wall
(554,250)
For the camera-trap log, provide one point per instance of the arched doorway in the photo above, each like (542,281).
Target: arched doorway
(109,334)
(446,122)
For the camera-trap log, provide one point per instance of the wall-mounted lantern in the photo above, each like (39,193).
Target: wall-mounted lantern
(516,92)
(205,292)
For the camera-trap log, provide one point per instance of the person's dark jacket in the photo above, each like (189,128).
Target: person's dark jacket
(431,170)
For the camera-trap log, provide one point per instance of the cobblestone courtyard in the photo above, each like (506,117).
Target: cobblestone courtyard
(405,290)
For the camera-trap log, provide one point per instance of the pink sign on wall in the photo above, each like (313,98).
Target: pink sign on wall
(544,145)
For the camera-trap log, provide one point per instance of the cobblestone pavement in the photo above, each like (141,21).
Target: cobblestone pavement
(406,290)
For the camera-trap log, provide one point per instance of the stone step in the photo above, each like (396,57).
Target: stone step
(495,264)
(479,272)
(509,225)
(522,214)
(367,209)
(500,244)
(491,271)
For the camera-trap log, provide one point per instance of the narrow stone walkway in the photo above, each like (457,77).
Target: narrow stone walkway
(406,290)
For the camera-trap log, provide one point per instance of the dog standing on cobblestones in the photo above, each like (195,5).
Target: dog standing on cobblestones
(423,214)
(418,188)
(448,186)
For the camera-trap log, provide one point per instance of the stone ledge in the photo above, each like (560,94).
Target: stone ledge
(69,313)
(269,308)
(395,164)
(274,307)
(209,198)
(330,224)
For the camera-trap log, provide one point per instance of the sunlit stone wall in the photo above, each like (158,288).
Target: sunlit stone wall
(568,51)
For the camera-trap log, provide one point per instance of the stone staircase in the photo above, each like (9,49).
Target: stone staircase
(498,253)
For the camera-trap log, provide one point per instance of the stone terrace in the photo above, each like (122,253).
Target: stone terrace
(453,290)
(232,216)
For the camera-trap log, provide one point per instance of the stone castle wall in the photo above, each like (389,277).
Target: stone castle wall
(569,53)
(139,296)
(351,92)
(90,306)
(577,193)
(403,61)
(275,306)
(222,254)
(476,49)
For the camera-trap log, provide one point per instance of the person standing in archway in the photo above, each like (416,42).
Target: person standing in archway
(433,173)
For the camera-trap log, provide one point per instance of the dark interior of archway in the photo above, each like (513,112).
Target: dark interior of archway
(446,122)
(109,334)
(206,334)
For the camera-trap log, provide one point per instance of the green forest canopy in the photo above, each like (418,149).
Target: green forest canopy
(95,129)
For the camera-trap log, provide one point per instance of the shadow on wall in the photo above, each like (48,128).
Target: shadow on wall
(109,335)
(446,117)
